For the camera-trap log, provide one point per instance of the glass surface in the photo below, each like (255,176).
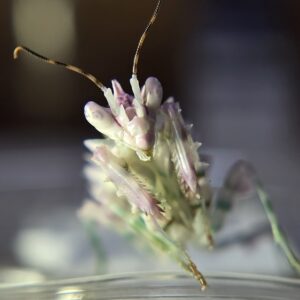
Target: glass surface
(157,286)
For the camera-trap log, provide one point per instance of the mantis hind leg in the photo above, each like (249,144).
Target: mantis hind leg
(278,234)
(241,179)
(92,231)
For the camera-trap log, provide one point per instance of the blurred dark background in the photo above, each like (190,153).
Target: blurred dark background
(232,65)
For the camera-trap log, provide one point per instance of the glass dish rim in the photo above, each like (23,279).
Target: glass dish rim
(164,276)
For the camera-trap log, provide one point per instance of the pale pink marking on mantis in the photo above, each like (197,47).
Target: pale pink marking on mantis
(130,119)
(125,183)
(186,168)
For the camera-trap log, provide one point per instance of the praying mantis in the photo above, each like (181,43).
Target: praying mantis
(146,176)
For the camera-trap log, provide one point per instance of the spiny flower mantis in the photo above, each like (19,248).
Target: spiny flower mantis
(146,175)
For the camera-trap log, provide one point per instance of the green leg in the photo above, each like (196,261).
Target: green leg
(223,205)
(278,234)
(225,196)
(93,235)
(241,179)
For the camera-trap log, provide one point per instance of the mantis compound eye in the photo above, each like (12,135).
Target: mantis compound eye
(152,93)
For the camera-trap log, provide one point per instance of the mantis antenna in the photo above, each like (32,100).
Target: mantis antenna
(89,76)
(142,38)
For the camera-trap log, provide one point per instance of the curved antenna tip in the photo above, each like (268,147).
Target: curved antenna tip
(47,60)
(16,52)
